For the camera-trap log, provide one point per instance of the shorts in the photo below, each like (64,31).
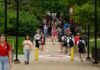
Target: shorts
(81,50)
(65,44)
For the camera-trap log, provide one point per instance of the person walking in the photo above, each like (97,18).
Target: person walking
(5,54)
(77,38)
(64,44)
(27,46)
(42,42)
(70,41)
(45,30)
(54,33)
(81,47)
(37,39)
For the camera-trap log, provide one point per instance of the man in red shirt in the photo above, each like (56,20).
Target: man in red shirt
(77,38)
(5,54)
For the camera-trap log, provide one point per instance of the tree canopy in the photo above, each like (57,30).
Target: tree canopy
(32,11)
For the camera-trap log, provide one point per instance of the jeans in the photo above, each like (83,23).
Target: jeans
(46,32)
(26,55)
(4,63)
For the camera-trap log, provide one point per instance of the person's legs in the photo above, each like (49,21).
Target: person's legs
(61,47)
(53,38)
(80,56)
(28,56)
(1,64)
(42,48)
(6,65)
(25,55)
(65,49)
(45,32)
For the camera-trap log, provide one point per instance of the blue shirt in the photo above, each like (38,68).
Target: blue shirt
(66,25)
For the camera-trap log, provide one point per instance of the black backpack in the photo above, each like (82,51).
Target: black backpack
(71,43)
(81,45)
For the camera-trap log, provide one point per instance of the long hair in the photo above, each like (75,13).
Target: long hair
(26,37)
(2,35)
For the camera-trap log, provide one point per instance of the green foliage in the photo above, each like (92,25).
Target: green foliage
(32,11)
(84,14)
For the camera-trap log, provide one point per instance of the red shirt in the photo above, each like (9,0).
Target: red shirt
(77,39)
(5,49)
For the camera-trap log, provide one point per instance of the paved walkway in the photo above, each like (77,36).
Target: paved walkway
(53,60)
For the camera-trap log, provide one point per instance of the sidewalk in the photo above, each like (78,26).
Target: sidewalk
(53,60)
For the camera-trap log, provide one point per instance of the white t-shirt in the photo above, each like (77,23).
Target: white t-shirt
(45,27)
(27,44)
(37,37)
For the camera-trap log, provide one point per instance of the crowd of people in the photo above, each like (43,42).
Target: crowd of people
(56,29)
(60,32)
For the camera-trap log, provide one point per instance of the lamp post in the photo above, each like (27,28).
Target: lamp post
(17,31)
(5,19)
(88,57)
(96,29)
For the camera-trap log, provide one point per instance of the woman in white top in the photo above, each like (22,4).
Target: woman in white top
(37,39)
(27,46)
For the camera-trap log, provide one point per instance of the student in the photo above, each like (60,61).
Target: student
(81,47)
(77,38)
(70,41)
(45,29)
(5,54)
(54,33)
(64,44)
(27,46)
(42,41)
(37,39)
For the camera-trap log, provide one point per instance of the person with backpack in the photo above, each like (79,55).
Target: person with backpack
(5,54)
(81,47)
(70,42)
(64,43)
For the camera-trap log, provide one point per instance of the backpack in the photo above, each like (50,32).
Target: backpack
(81,45)
(71,43)
(64,40)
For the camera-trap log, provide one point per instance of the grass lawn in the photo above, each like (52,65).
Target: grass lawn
(12,41)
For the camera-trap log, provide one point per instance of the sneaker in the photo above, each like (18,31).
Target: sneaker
(25,62)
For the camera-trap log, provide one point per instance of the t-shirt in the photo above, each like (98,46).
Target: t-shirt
(37,37)
(66,26)
(27,44)
(77,39)
(45,27)
(5,49)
